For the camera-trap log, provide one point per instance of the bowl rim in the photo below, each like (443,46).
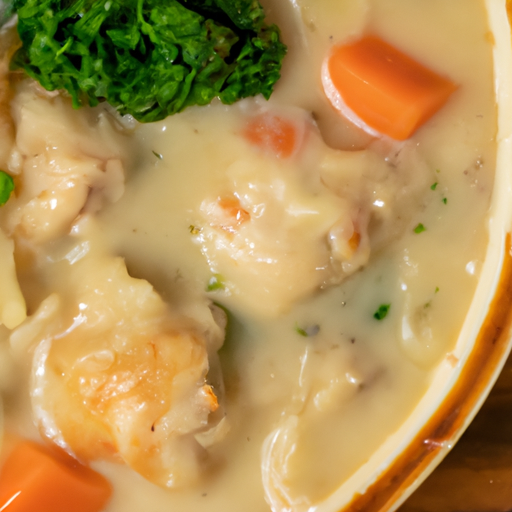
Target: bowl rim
(464,381)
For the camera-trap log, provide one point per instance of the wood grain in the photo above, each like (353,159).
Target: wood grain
(476,476)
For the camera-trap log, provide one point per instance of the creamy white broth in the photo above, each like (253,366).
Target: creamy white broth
(354,381)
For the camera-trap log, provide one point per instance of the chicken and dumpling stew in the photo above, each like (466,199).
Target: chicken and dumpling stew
(235,241)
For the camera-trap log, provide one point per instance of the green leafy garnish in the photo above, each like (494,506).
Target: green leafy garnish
(6,187)
(382,312)
(420,228)
(445,201)
(433,186)
(158,155)
(216,282)
(149,58)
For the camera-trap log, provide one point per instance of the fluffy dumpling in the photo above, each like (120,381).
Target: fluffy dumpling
(116,375)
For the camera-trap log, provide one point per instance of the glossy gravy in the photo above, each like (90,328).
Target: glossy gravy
(313,382)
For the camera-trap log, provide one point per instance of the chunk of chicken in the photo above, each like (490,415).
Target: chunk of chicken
(116,375)
(267,235)
(62,155)
(328,379)
(281,227)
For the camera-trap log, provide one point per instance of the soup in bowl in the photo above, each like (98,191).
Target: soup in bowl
(288,302)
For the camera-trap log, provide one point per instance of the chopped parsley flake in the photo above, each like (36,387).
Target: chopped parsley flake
(437,289)
(6,187)
(433,186)
(307,332)
(445,200)
(194,230)
(382,312)
(158,155)
(148,58)
(215,283)
(301,331)
(420,228)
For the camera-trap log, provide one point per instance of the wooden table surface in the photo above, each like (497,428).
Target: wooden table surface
(476,476)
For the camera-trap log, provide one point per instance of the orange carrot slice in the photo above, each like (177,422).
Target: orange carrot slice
(232,210)
(37,479)
(381,89)
(273,134)
(228,214)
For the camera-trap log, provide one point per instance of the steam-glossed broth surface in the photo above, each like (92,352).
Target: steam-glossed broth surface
(308,381)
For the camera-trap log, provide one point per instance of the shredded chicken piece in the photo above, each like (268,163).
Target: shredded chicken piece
(66,163)
(318,217)
(117,375)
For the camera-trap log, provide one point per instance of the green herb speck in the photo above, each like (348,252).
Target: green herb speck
(445,200)
(437,289)
(194,230)
(6,187)
(215,283)
(301,331)
(433,186)
(382,312)
(420,228)
(309,331)
(158,155)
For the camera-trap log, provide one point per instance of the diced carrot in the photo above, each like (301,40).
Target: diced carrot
(273,134)
(37,479)
(386,89)
(229,213)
